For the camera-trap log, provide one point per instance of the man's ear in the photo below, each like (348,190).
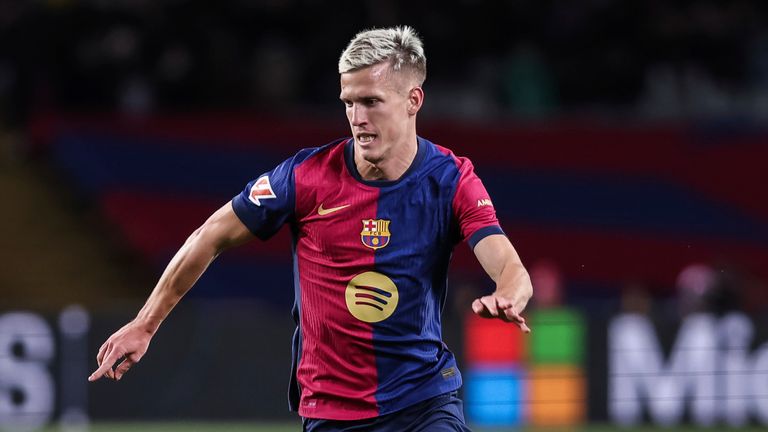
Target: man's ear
(415,100)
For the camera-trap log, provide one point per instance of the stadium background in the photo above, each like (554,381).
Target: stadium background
(624,145)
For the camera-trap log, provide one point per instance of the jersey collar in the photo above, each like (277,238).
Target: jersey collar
(349,156)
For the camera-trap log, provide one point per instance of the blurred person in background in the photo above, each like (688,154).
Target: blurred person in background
(374,220)
(695,286)
(548,280)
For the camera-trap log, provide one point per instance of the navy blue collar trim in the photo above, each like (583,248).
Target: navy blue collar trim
(349,156)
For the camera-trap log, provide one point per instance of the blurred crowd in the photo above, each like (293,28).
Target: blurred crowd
(701,288)
(647,59)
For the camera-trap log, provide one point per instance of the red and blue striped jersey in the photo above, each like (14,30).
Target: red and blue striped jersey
(370,267)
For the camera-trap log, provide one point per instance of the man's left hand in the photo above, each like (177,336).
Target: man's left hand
(496,306)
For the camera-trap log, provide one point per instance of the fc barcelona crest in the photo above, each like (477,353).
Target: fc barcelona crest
(375,233)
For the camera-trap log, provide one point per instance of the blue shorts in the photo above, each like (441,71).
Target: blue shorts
(443,413)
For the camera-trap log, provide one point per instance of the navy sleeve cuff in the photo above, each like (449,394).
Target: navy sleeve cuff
(241,211)
(482,233)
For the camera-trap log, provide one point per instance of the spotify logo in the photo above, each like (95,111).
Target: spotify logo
(371,297)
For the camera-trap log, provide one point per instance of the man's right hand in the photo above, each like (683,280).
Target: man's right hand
(129,344)
(221,231)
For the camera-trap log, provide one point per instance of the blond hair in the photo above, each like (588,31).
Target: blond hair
(400,46)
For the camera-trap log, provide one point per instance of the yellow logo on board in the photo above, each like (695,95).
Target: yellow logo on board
(371,297)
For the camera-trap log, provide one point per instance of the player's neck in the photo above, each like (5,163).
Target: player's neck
(390,168)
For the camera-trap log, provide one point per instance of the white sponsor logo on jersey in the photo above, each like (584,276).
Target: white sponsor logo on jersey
(484,202)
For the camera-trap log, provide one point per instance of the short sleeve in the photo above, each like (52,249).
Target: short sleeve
(473,207)
(268,202)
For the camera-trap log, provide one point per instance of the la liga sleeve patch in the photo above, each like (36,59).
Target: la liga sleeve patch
(266,203)
(261,190)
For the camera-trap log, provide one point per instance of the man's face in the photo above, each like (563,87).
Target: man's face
(380,107)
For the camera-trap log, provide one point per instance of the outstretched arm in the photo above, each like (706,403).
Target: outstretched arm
(221,231)
(513,286)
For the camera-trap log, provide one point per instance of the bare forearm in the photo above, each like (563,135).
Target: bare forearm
(502,263)
(221,231)
(513,280)
(513,285)
(186,267)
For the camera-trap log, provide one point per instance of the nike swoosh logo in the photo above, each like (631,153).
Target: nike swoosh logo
(322,211)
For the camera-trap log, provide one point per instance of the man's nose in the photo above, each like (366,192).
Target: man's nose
(357,115)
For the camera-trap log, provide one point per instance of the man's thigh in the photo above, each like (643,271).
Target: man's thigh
(442,413)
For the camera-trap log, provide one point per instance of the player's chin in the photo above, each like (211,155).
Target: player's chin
(372,156)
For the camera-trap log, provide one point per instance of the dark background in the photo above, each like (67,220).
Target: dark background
(622,142)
